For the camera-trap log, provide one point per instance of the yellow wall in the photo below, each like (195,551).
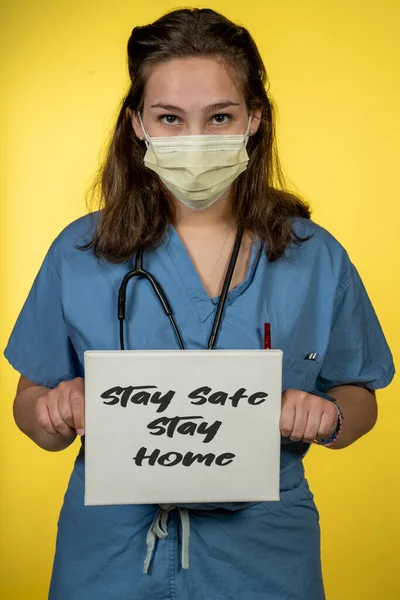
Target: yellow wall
(333,75)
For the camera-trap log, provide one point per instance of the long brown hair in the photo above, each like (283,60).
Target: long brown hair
(136,209)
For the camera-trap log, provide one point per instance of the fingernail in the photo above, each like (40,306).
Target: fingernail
(80,431)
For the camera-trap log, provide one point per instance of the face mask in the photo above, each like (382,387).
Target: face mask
(197,169)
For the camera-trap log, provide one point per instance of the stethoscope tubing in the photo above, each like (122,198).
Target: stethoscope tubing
(139,271)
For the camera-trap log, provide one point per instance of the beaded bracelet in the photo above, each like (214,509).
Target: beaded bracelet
(330,440)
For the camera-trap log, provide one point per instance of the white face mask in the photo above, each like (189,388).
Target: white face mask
(197,169)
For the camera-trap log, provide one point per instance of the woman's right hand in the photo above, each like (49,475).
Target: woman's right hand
(62,409)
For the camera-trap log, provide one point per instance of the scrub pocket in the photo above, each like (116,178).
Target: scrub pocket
(299,374)
(299,495)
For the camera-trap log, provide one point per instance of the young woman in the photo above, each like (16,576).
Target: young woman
(184,202)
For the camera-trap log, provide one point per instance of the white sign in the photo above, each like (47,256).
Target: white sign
(182,426)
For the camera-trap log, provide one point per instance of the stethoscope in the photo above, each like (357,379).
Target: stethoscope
(139,271)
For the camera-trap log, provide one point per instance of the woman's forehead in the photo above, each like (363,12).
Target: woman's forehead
(191,82)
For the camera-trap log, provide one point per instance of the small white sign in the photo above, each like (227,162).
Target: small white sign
(182,426)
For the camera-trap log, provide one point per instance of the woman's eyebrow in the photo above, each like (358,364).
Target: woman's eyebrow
(207,109)
(219,106)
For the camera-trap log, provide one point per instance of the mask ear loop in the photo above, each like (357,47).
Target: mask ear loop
(246,135)
(146,135)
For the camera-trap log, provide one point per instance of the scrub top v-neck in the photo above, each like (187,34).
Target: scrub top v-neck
(186,271)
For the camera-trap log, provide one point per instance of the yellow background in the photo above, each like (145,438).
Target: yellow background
(334,71)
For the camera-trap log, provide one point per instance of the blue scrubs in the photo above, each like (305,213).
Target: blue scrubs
(315,302)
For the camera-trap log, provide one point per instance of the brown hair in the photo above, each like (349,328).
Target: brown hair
(136,210)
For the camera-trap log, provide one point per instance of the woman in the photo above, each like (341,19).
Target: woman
(184,202)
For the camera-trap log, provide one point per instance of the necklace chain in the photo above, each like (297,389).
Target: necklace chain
(220,254)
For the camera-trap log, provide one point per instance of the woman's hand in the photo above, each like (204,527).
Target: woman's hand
(306,417)
(62,409)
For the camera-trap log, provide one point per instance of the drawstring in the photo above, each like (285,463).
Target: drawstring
(159,529)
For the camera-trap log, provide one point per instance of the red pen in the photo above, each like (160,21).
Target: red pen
(267,336)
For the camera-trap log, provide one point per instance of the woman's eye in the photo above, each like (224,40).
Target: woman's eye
(168,119)
(221,119)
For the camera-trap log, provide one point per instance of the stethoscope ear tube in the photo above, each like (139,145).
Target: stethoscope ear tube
(138,271)
(225,289)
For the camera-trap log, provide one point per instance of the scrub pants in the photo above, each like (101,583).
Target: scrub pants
(263,551)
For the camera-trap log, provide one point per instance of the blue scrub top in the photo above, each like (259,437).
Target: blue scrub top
(315,302)
(313,298)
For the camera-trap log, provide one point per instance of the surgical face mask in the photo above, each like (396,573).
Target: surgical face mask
(197,169)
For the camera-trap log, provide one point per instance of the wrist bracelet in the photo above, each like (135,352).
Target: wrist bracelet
(330,440)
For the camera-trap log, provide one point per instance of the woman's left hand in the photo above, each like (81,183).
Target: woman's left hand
(305,417)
